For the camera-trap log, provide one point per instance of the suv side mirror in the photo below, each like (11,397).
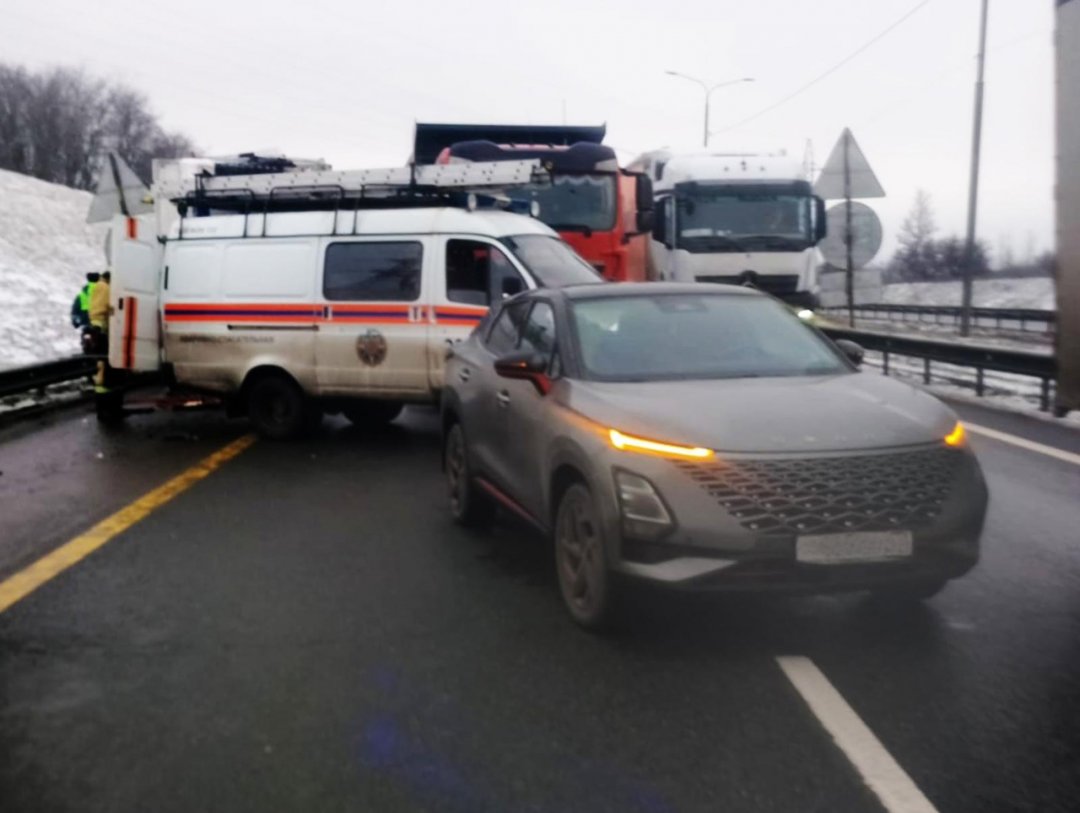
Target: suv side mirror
(853,351)
(821,220)
(511,286)
(525,365)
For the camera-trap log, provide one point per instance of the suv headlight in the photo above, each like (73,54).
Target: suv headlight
(644,515)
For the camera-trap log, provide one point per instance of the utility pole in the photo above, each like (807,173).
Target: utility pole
(973,196)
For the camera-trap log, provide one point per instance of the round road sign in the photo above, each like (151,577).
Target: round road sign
(866,229)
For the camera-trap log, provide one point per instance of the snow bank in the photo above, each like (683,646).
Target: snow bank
(46,248)
(1031,292)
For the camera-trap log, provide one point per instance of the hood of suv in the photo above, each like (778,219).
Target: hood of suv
(844,412)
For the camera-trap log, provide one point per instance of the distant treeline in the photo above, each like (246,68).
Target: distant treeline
(922,257)
(56,123)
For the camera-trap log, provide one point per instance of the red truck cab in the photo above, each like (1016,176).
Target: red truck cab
(603,212)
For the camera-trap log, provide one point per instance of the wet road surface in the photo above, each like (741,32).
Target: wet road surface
(305,629)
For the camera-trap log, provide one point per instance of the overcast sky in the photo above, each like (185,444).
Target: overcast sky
(346,80)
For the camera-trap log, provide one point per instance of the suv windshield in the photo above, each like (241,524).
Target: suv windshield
(749,218)
(573,202)
(675,336)
(551,261)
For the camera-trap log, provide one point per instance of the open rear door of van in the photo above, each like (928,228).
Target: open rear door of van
(135,256)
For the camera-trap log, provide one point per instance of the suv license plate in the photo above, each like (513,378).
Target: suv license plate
(847,548)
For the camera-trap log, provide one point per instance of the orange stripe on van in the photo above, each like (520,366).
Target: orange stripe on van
(130,323)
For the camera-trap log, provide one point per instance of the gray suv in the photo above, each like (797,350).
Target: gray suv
(703,437)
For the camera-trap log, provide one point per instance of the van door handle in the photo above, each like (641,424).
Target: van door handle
(503,397)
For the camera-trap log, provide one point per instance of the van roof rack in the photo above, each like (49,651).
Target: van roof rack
(306,189)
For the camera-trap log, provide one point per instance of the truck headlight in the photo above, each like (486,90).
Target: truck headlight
(644,515)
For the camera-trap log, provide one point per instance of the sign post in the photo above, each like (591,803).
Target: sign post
(847,174)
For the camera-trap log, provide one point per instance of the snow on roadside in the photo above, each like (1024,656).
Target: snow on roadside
(1026,292)
(46,249)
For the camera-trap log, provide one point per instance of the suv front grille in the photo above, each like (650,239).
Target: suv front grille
(793,496)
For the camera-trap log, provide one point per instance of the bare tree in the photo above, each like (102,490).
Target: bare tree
(916,257)
(55,124)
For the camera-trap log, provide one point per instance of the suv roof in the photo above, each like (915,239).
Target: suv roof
(607,289)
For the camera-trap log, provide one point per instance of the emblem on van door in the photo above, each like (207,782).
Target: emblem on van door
(371,348)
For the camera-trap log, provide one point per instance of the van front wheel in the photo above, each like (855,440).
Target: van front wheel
(277,407)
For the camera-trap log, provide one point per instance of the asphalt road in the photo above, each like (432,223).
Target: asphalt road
(304,629)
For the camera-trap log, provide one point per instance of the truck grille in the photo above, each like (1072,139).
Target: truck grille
(831,494)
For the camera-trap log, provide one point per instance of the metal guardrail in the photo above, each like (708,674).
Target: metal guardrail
(1018,318)
(37,376)
(1042,366)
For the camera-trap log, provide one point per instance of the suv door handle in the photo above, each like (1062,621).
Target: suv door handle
(503,397)
(464,374)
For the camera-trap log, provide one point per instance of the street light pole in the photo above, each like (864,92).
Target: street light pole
(708,93)
(973,193)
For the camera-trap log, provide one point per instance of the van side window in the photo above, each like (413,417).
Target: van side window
(504,334)
(475,273)
(373,271)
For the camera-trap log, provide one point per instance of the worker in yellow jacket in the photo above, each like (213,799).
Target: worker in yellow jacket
(99,304)
(99,323)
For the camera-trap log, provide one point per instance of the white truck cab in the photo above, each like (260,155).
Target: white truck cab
(292,313)
(735,218)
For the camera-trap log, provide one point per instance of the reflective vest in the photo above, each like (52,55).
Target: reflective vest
(84,296)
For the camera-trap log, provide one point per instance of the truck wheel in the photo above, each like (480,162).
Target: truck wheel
(277,407)
(372,413)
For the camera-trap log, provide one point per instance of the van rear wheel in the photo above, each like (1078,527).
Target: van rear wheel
(277,407)
(372,413)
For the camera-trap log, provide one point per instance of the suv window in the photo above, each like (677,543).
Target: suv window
(506,330)
(539,332)
(373,271)
(475,272)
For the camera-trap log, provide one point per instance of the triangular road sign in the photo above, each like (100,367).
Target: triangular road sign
(864,183)
(119,191)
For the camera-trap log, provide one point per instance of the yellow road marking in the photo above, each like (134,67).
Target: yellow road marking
(17,587)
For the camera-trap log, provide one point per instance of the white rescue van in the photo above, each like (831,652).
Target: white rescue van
(290,314)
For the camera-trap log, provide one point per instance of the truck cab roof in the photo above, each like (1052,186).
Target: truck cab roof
(669,168)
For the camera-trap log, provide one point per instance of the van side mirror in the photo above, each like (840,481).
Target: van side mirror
(853,351)
(821,220)
(511,286)
(525,365)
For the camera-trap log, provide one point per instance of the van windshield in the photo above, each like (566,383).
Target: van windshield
(551,261)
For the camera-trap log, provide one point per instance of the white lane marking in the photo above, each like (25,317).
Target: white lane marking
(880,772)
(1023,443)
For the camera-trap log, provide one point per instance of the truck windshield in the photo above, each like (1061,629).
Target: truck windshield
(676,336)
(573,202)
(552,262)
(731,218)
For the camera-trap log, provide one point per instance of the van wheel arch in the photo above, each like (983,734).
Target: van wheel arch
(290,412)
